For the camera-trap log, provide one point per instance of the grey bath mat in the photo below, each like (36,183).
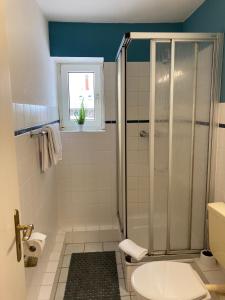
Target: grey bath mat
(92,276)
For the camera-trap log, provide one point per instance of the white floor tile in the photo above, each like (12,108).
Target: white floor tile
(216,277)
(118,258)
(74,248)
(60,291)
(48,278)
(206,268)
(123,291)
(52,267)
(58,247)
(110,246)
(63,274)
(55,256)
(60,237)
(66,261)
(93,247)
(45,292)
(120,271)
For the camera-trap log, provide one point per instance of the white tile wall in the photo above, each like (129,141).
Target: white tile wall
(110,90)
(138,84)
(86,180)
(28,115)
(217,276)
(220,157)
(138,81)
(37,190)
(86,177)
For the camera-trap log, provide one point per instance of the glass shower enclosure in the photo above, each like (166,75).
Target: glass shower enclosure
(166,123)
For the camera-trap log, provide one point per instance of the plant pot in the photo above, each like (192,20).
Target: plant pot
(81,127)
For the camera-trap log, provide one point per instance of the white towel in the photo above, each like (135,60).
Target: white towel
(44,153)
(132,249)
(54,143)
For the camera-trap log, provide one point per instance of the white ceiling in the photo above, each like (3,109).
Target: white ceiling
(115,11)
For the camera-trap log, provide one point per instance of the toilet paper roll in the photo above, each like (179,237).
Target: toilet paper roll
(35,245)
(38,236)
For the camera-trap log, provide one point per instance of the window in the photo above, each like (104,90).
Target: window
(82,85)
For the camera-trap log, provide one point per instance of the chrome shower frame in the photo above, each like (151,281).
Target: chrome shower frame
(217,39)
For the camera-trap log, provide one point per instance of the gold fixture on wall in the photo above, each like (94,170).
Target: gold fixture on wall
(27,231)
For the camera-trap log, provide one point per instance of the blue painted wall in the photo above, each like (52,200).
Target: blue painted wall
(101,39)
(210,17)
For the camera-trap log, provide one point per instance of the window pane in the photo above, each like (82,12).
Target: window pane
(81,88)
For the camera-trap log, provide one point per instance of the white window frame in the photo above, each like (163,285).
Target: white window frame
(89,125)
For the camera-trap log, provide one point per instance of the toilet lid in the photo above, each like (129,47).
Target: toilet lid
(166,280)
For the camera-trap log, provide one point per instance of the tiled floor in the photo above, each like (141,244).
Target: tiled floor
(212,275)
(90,247)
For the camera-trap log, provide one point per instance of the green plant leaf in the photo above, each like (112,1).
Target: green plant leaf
(81,116)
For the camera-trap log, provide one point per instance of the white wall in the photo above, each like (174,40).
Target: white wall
(220,158)
(31,69)
(12,283)
(34,103)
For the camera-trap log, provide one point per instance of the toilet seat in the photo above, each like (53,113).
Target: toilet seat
(164,280)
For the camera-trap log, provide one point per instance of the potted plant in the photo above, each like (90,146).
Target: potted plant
(81,115)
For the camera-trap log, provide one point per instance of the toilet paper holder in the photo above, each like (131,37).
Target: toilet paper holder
(27,231)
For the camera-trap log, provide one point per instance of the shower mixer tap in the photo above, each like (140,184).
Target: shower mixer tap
(144,133)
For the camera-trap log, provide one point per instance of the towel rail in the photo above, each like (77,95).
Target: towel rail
(41,132)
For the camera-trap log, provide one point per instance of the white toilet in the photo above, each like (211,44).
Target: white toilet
(166,280)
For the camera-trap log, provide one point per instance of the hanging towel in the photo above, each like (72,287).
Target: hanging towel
(44,153)
(132,249)
(54,143)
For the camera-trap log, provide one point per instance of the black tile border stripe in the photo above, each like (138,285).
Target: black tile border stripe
(204,123)
(110,122)
(25,130)
(137,121)
(166,121)
(221,125)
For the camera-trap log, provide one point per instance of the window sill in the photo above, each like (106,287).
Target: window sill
(69,130)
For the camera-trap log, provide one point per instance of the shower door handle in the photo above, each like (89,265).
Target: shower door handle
(144,133)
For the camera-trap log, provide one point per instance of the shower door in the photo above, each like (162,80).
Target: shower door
(179,142)
(121,146)
(168,84)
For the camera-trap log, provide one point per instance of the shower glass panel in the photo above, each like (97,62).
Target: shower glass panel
(137,145)
(202,139)
(167,86)
(161,143)
(121,170)
(184,80)
(190,143)
(181,144)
